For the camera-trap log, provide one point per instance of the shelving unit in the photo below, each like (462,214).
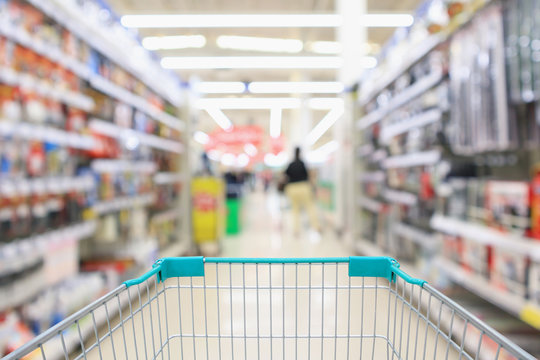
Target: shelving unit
(512,303)
(404,136)
(487,236)
(107,146)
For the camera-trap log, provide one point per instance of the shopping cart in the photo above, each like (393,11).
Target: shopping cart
(226,308)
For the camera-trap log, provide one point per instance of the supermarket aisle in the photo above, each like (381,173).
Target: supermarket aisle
(267,233)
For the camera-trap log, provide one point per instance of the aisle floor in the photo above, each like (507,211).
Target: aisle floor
(267,232)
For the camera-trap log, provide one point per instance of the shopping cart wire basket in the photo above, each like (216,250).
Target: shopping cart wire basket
(244,308)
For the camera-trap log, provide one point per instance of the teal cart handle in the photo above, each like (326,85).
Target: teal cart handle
(359,266)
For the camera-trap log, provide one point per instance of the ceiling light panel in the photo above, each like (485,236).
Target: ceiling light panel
(220,118)
(252,62)
(250,43)
(308,87)
(260,20)
(173,42)
(248,103)
(275,122)
(232,21)
(387,20)
(325,47)
(220,87)
(201,137)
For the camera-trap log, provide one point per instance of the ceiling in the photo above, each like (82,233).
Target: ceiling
(375,36)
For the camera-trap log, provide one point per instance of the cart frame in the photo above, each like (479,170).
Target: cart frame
(401,287)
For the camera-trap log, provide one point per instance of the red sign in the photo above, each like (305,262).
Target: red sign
(238,136)
(204,202)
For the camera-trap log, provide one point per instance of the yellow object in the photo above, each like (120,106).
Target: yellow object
(531,315)
(301,196)
(207,198)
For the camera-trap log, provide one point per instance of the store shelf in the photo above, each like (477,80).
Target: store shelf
(422,49)
(403,126)
(138,102)
(108,129)
(167,215)
(370,204)
(164,178)
(51,184)
(77,232)
(400,197)
(417,236)
(53,53)
(488,236)
(81,70)
(378,155)
(478,285)
(423,158)
(69,15)
(372,177)
(54,349)
(45,89)
(402,98)
(123,203)
(364,150)
(414,56)
(50,134)
(118,166)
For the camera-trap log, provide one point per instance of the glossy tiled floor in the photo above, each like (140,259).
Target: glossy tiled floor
(267,232)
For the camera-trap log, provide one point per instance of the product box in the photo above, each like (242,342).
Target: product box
(476,257)
(534,283)
(452,248)
(508,204)
(509,271)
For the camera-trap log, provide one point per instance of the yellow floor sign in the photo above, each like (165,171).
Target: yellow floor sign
(207,196)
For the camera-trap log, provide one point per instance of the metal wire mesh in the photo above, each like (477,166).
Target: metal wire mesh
(274,311)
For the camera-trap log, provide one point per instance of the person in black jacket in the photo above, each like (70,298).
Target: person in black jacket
(299,192)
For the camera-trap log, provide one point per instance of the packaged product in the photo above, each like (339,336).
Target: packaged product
(509,271)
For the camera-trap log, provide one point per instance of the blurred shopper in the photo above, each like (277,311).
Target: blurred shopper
(300,193)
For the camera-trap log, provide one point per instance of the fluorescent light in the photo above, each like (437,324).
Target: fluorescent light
(325,47)
(275,122)
(253,43)
(252,62)
(333,115)
(214,155)
(278,160)
(309,87)
(321,154)
(368,62)
(327,148)
(248,103)
(250,149)
(232,21)
(220,118)
(201,137)
(220,87)
(325,103)
(228,159)
(242,160)
(173,42)
(387,20)
(260,20)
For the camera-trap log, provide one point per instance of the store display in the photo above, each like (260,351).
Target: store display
(479,119)
(459,149)
(68,189)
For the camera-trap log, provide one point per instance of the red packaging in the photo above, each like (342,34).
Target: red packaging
(535,204)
